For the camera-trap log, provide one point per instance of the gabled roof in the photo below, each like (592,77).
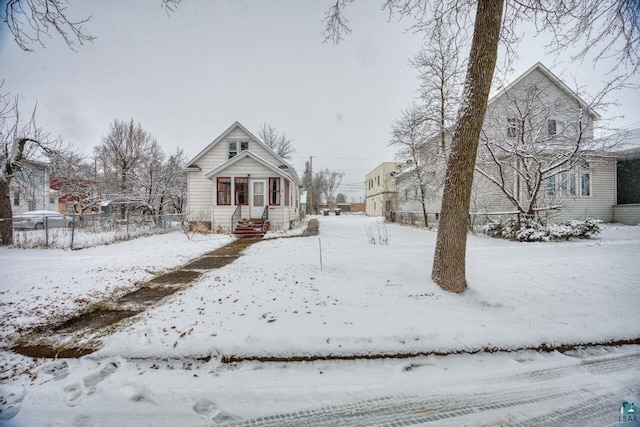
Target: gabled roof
(226,133)
(243,155)
(555,80)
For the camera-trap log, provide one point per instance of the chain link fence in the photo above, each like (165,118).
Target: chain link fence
(77,232)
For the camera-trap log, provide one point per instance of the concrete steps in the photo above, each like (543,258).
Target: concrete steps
(251,228)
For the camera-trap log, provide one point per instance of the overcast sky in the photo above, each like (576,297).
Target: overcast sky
(188,76)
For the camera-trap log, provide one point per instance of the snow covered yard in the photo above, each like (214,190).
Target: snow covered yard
(276,301)
(38,285)
(378,299)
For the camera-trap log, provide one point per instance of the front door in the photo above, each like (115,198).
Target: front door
(258,197)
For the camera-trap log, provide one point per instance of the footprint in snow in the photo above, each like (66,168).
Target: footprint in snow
(90,381)
(136,393)
(209,411)
(226,418)
(205,408)
(10,403)
(59,369)
(72,395)
(83,420)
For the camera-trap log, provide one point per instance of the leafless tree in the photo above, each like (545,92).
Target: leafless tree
(30,20)
(159,183)
(21,141)
(328,183)
(449,261)
(414,141)
(600,26)
(123,150)
(73,176)
(277,141)
(543,152)
(441,77)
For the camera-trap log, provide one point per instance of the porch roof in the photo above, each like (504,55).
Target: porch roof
(248,154)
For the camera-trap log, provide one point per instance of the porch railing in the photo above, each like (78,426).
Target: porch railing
(265,214)
(237,214)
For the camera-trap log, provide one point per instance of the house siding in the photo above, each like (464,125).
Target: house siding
(627,214)
(598,205)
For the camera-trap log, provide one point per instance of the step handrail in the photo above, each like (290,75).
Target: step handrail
(235,218)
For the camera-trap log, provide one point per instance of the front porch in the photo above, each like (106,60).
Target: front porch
(249,227)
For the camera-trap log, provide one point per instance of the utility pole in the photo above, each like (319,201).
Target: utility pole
(310,201)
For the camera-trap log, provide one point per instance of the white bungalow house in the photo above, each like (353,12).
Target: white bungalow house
(238,184)
(525,158)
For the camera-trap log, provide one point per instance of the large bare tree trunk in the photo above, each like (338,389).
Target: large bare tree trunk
(449,260)
(6,222)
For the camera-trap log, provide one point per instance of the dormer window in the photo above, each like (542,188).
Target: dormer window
(237,146)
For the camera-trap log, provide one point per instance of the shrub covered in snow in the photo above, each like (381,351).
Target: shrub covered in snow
(532,230)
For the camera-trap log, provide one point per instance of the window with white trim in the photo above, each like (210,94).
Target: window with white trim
(555,127)
(234,147)
(576,182)
(585,182)
(514,127)
(551,185)
(564,183)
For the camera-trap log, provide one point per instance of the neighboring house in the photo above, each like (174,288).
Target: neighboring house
(76,196)
(380,189)
(30,188)
(237,177)
(542,114)
(627,209)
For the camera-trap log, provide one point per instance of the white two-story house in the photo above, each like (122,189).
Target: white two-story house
(537,155)
(237,180)
(30,188)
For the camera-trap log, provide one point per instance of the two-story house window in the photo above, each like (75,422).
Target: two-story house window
(551,185)
(555,127)
(237,146)
(16,198)
(573,183)
(514,127)
(585,182)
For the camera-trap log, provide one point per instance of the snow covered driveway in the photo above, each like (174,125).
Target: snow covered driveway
(276,302)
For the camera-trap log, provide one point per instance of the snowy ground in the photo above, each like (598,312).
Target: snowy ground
(41,285)
(276,301)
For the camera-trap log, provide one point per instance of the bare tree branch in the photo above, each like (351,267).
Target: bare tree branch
(30,20)
(278,142)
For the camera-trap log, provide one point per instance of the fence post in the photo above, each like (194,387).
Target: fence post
(46,231)
(73,231)
(126,218)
